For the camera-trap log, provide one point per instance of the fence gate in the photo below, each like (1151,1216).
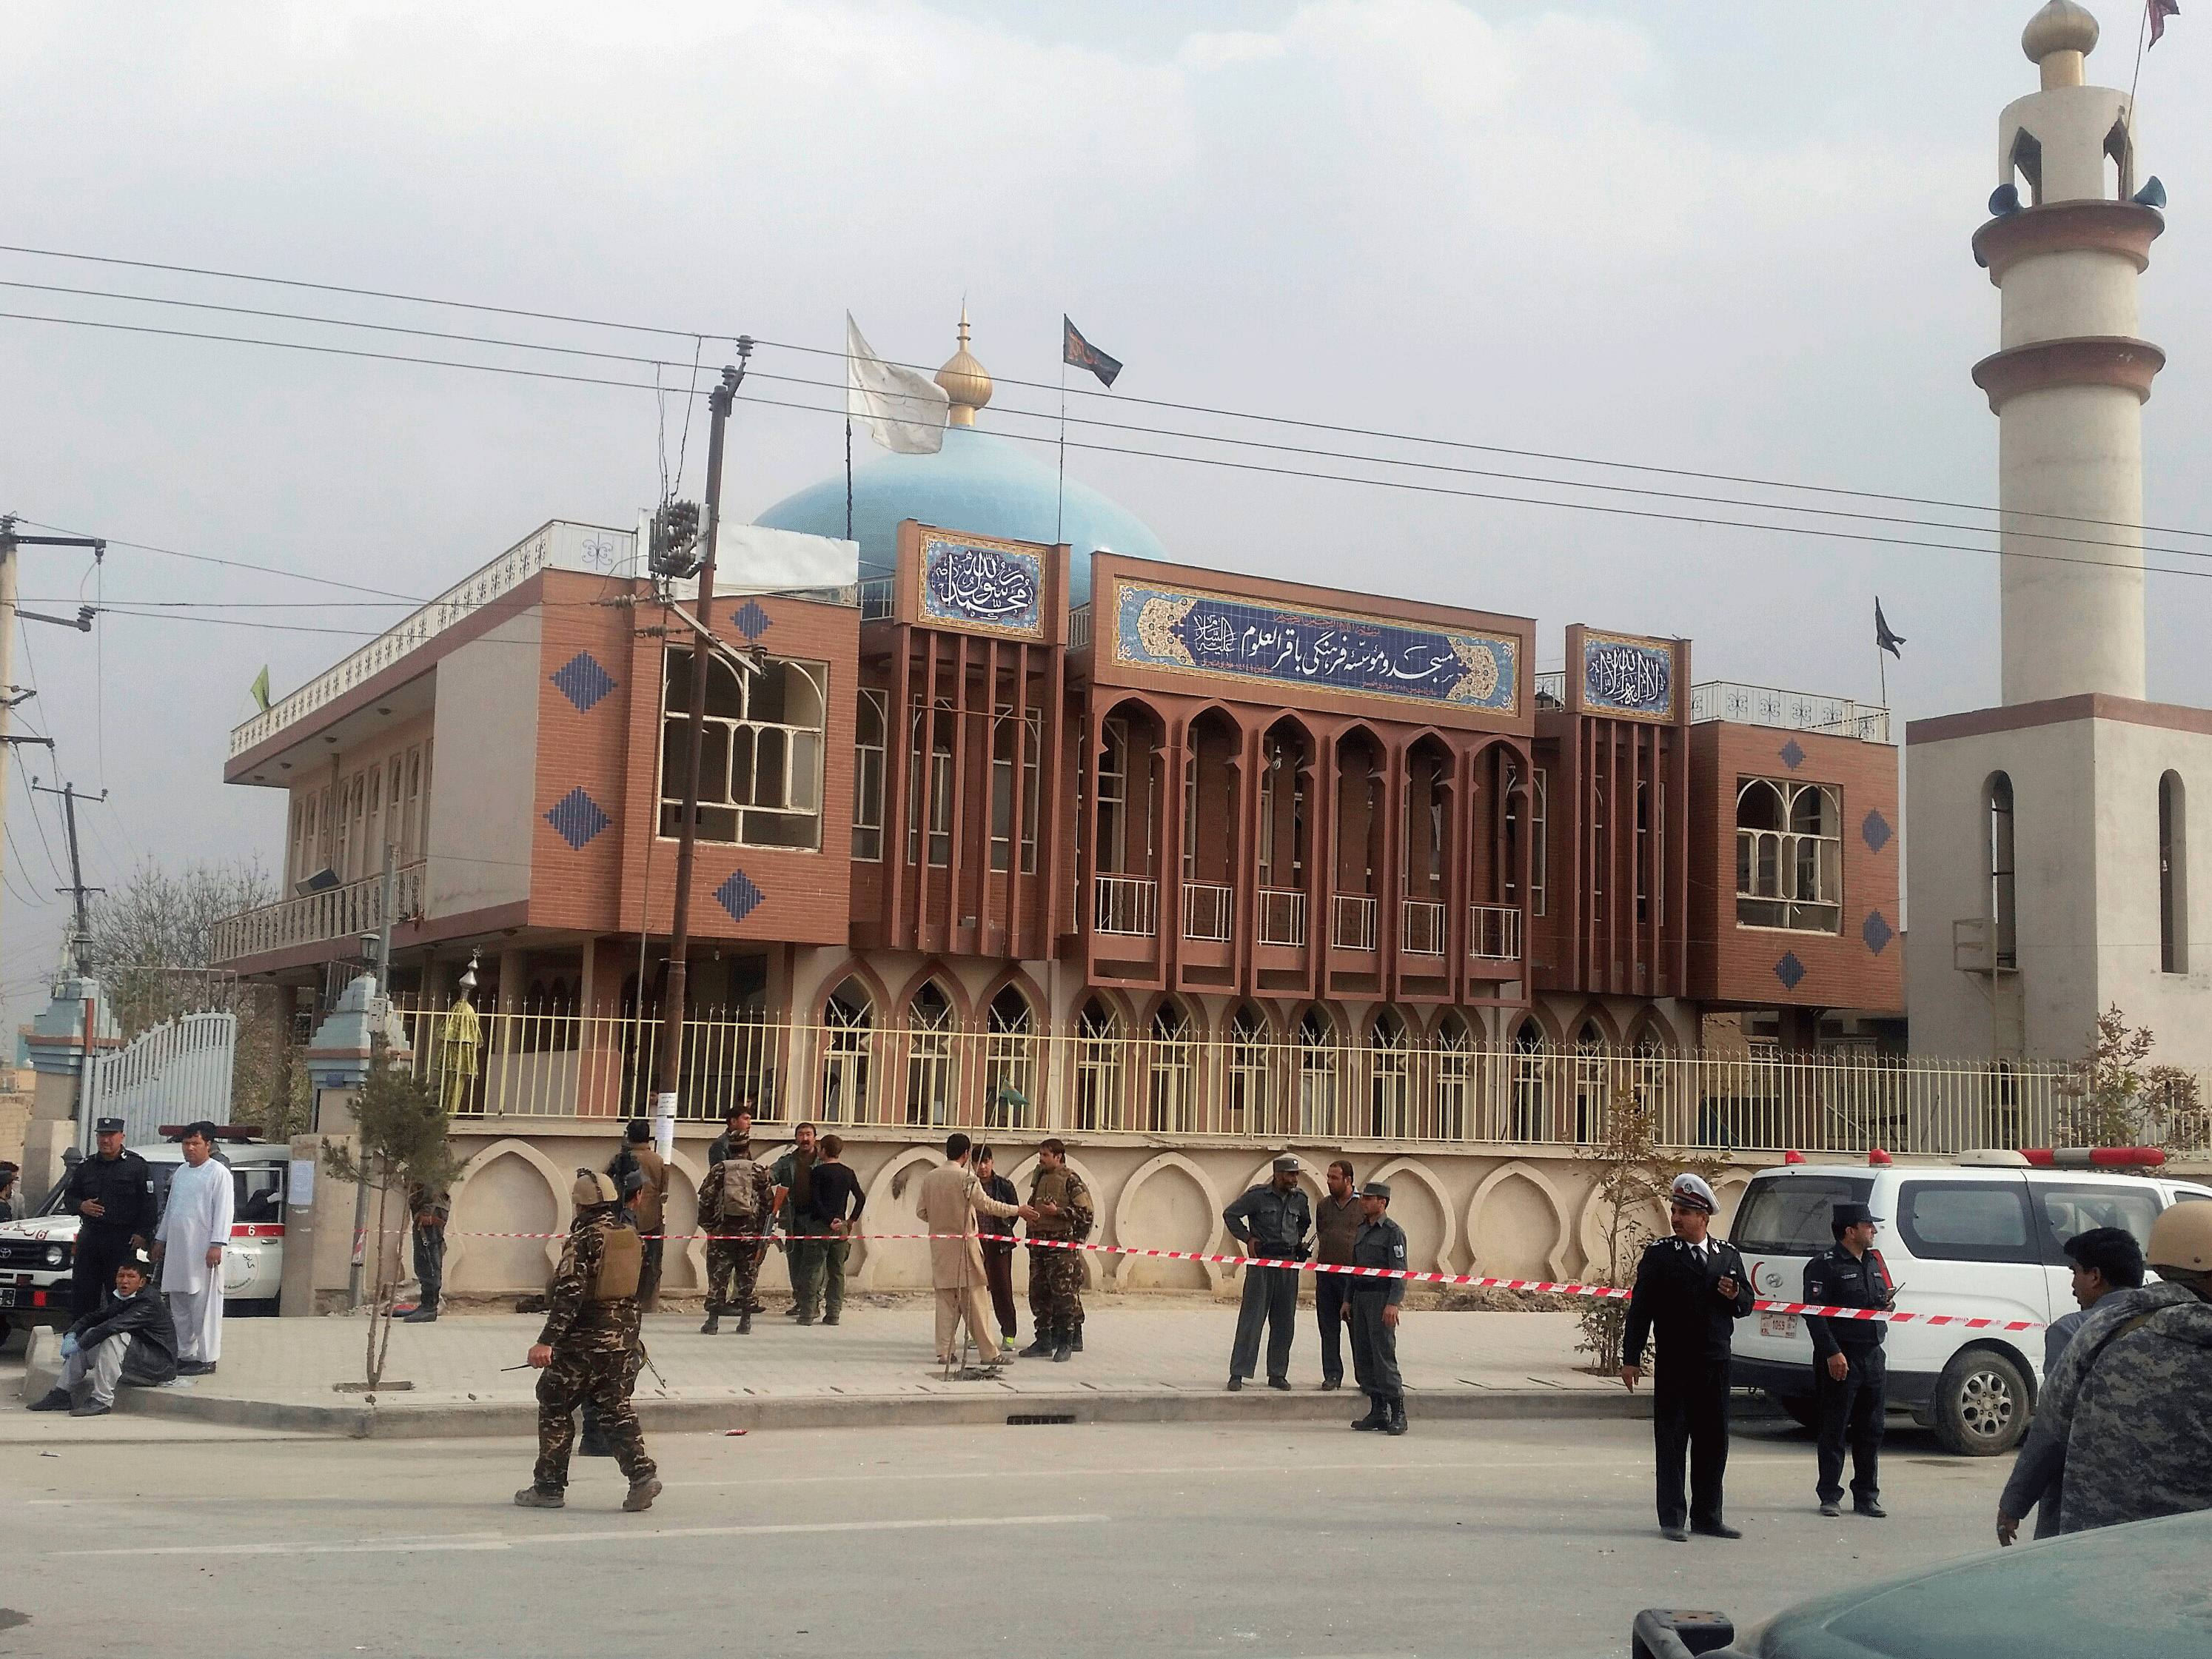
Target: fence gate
(178,1071)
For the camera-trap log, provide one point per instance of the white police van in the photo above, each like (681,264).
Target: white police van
(37,1253)
(1983,1237)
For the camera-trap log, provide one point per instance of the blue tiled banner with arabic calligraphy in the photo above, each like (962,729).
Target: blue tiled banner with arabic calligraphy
(1188,632)
(1627,676)
(982,585)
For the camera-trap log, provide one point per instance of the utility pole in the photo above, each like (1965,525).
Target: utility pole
(10,695)
(80,948)
(670,1068)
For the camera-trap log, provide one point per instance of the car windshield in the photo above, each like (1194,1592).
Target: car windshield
(1788,1215)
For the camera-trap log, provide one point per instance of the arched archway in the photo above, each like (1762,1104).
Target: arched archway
(849,1022)
(932,1077)
(1390,1076)
(1097,1055)
(1010,1059)
(1320,1053)
(1170,1070)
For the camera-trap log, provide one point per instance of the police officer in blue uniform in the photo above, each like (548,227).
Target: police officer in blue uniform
(1692,1289)
(1851,1377)
(1372,1308)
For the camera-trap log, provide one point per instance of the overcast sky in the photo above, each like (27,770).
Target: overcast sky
(1730,237)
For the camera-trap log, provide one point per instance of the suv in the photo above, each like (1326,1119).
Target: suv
(1983,1237)
(36,1253)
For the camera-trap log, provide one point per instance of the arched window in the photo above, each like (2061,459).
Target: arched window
(1170,1095)
(1531,1062)
(1593,1082)
(2004,918)
(1249,1095)
(1097,1067)
(929,1056)
(1317,1063)
(1387,1076)
(2172,875)
(1010,1063)
(1455,1062)
(1789,855)
(846,1018)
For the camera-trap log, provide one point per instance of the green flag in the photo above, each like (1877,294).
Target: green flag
(261,688)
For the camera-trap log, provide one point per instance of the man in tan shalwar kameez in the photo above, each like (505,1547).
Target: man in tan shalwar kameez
(952,1197)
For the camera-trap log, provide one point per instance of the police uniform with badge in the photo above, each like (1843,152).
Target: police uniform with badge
(1690,1289)
(1272,1223)
(1372,1308)
(120,1188)
(1851,1374)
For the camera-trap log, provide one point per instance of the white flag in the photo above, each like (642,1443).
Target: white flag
(904,411)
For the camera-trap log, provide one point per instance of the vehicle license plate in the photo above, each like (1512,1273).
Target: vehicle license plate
(1778,1324)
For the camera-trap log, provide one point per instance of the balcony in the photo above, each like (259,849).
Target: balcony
(1282,916)
(1352,922)
(1207,909)
(1494,933)
(1078,628)
(1420,927)
(337,912)
(1126,905)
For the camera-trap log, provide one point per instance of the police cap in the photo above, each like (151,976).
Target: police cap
(1375,1189)
(1850,1215)
(1694,1192)
(1287,1165)
(107,1126)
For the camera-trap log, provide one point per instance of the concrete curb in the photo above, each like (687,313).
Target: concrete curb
(977,1404)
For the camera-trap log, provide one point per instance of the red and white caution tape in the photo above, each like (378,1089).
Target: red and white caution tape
(1469,1281)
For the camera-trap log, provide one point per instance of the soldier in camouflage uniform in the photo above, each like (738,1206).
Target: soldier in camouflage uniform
(734,1262)
(587,1347)
(2129,1406)
(1063,1205)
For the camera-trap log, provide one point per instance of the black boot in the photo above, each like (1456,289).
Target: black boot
(1397,1423)
(1378,1416)
(1062,1347)
(714,1325)
(1077,1343)
(745,1324)
(1044,1347)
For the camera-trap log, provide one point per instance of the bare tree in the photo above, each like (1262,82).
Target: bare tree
(1632,1172)
(153,944)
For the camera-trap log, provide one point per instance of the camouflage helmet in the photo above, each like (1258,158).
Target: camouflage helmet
(2181,1238)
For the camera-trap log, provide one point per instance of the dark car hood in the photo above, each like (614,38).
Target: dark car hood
(2133,1592)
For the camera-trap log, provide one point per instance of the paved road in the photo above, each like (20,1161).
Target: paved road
(1510,1539)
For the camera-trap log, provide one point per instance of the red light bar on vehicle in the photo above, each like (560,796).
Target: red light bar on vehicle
(2094,1158)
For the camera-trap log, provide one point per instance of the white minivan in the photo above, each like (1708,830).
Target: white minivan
(1982,1237)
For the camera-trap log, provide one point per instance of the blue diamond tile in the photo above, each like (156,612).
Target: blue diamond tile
(1790,970)
(582,681)
(1876,831)
(1792,755)
(739,895)
(1877,933)
(752,622)
(577,817)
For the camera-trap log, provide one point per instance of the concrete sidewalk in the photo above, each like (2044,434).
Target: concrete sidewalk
(1148,1359)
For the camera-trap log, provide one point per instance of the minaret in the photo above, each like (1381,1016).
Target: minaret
(967,383)
(2068,386)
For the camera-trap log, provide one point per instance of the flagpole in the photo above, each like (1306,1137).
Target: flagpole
(1060,503)
(848,476)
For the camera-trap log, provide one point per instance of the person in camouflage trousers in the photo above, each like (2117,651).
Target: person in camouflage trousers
(1063,1205)
(587,1349)
(733,1264)
(2129,1408)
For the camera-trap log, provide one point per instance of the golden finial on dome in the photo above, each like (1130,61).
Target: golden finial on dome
(967,383)
(2057,38)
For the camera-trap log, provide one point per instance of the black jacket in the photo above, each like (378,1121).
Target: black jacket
(1840,1280)
(145,1318)
(1680,1299)
(124,1189)
(998,1231)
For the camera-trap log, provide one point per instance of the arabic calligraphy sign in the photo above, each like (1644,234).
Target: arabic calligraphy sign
(1185,631)
(1627,676)
(993,588)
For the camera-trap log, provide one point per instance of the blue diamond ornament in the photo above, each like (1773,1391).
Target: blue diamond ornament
(739,895)
(582,681)
(1790,970)
(1877,933)
(577,817)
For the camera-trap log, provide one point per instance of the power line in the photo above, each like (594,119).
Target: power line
(233,564)
(699,335)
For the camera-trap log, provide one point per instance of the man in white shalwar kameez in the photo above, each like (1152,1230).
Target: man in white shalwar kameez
(195,1227)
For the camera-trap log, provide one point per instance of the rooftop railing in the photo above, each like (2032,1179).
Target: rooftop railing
(1759,705)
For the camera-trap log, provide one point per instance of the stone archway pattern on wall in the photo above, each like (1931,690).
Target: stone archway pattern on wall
(556,1187)
(1216,1239)
(1446,1211)
(1555,1255)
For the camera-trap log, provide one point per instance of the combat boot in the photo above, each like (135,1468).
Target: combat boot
(1062,1341)
(1397,1423)
(538,1497)
(1077,1341)
(1044,1347)
(745,1323)
(641,1494)
(714,1325)
(1378,1416)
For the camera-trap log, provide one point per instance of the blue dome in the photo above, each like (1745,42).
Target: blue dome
(978,482)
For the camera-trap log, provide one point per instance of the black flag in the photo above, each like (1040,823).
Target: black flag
(1079,353)
(1883,639)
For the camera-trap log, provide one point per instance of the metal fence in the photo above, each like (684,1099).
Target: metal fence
(935,1077)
